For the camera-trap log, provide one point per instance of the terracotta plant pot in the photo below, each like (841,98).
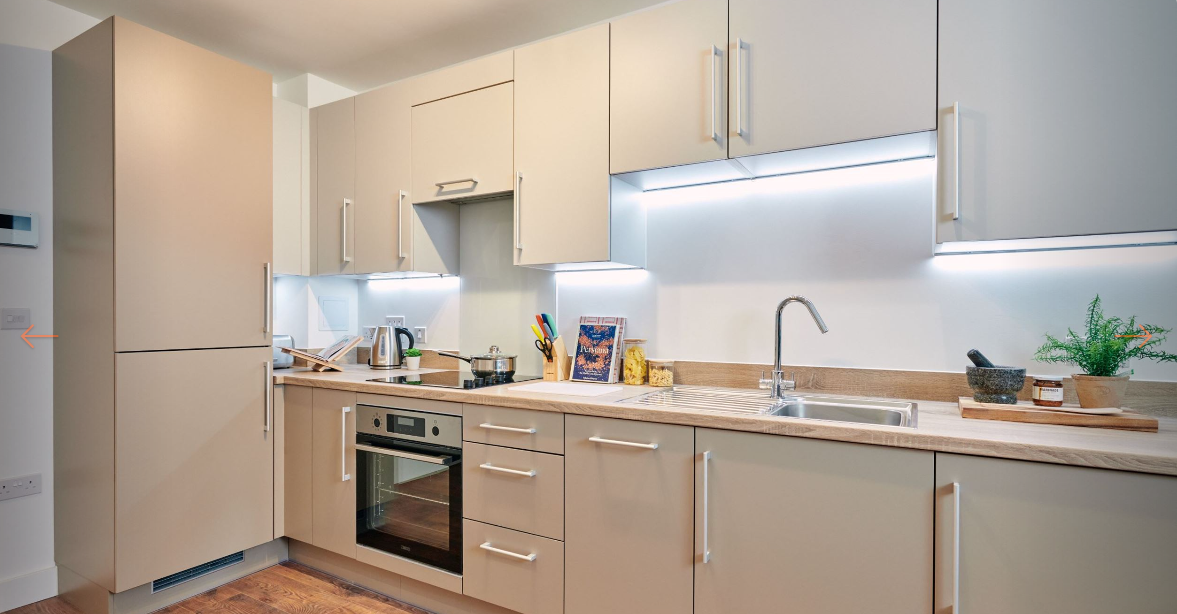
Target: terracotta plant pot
(1099,391)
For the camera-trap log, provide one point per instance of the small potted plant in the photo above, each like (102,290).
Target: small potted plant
(1107,345)
(412,359)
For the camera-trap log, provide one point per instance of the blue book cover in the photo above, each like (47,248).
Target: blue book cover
(598,350)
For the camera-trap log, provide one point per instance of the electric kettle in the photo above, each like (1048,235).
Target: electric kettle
(387,352)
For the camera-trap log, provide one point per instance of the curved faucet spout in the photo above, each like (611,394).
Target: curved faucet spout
(779,384)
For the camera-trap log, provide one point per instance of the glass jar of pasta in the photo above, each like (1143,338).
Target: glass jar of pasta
(634,363)
(661,373)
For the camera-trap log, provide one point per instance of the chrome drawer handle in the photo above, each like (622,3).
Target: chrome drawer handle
(530,473)
(628,444)
(510,429)
(425,458)
(343,443)
(523,557)
(442,184)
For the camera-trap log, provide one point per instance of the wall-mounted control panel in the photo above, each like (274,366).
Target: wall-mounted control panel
(15,318)
(19,228)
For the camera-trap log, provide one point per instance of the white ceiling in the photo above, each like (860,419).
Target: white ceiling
(358,44)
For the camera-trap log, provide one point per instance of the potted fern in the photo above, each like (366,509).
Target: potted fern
(1101,353)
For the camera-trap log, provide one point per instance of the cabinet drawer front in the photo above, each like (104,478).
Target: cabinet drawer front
(462,146)
(501,426)
(518,489)
(518,571)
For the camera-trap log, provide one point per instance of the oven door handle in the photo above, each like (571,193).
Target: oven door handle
(425,458)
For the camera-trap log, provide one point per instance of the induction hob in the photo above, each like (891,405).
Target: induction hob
(460,379)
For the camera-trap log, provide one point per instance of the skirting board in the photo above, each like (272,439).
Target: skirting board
(29,588)
(93,599)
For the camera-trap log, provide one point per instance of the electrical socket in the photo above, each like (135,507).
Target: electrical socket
(419,332)
(395,321)
(20,487)
(369,334)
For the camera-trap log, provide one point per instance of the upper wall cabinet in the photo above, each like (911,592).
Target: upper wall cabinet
(569,214)
(808,73)
(462,146)
(335,179)
(668,86)
(1063,111)
(292,197)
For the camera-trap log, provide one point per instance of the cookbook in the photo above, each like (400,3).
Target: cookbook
(598,349)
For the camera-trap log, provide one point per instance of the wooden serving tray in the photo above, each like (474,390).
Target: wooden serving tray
(1024,411)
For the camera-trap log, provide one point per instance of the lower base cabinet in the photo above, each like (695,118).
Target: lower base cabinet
(333,470)
(1036,538)
(802,525)
(628,503)
(518,571)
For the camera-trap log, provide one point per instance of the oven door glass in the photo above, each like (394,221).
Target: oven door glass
(409,504)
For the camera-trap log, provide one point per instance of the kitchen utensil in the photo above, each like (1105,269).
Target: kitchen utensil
(387,352)
(282,360)
(545,347)
(491,364)
(979,359)
(1124,420)
(539,334)
(996,384)
(542,325)
(557,367)
(551,322)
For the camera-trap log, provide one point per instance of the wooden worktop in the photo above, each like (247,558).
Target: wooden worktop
(939,425)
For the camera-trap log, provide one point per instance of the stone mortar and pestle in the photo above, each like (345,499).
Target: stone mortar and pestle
(993,384)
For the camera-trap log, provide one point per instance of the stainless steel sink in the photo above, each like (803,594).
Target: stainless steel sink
(758,402)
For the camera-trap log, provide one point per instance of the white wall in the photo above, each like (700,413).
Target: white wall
(40,24)
(432,302)
(858,243)
(297,312)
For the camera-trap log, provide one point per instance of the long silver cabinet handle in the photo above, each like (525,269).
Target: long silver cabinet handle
(956,158)
(628,444)
(510,429)
(268,391)
(425,458)
(489,467)
(715,54)
(267,297)
(442,184)
(343,444)
(400,220)
(706,492)
(343,230)
(523,557)
(955,548)
(739,86)
(518,210)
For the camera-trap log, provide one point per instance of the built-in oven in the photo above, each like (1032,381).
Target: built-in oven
(409,484)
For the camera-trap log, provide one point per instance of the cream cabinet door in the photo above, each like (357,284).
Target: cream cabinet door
(297,462)
(384,211)
(193,189)
(1059,135)
(1036,538)
(194,464)
(335,177)
(787,524)
(462,145)
(668,86)
(333,468)
(562,149)
(291,197)
(628,507)
(810,73)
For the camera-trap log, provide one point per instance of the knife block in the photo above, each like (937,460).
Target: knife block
(557,369)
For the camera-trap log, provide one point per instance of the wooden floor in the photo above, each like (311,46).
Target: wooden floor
(287,588)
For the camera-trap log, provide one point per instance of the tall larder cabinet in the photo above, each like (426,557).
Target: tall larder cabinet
(162,280)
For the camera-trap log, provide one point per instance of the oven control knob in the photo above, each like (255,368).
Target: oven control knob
(376,422)
(436,431)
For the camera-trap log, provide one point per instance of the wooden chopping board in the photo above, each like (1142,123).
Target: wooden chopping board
(1025,411)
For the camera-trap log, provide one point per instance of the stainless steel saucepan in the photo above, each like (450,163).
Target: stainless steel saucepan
(491,364)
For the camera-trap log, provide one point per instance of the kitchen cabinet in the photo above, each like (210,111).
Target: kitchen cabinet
(292,204)
(297,462)
(515,570)
(628,540)
(462,146)
(516,489)
(542,431)
(384,213)
(333,458)
(786,524)
(194,470)
(1022,537)
(468,76)
(335,184)
(805,73)
(569,214)
(668,86)
(1057,136)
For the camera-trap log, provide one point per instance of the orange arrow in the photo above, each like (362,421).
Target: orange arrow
(25,335)
(1146,336)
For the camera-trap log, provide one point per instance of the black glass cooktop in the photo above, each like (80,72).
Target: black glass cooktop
(452,379)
